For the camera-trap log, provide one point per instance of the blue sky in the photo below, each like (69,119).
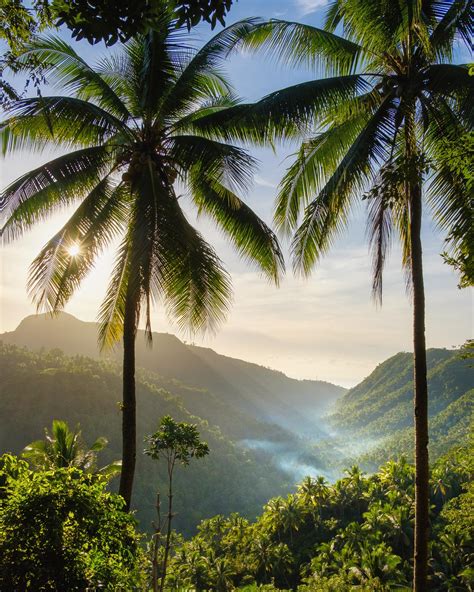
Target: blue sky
(324,327)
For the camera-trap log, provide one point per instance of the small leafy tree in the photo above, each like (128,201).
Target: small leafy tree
(61,530)
(176,443)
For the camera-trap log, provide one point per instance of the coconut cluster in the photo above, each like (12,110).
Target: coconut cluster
(141,159)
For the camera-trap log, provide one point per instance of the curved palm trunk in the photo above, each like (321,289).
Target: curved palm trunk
(129,411)
(420,576)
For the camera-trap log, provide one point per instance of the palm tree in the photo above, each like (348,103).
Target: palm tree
(132,126)
(291,515)
(63,447)
(379,125)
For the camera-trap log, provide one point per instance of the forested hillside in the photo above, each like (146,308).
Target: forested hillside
(283,420)
(247,388)
(38,387)
(379,410)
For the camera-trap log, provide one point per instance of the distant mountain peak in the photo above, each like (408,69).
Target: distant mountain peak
(60,317)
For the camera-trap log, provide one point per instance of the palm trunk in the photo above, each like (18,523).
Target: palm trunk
(420,576)
(129,412)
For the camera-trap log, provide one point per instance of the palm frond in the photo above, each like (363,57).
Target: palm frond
(68,122)
(177,264)
(289,112)
(326,215)
(316,159)
(55,274)
(70,72)
(184,124)
(112,309)
(155,60)
(372,25)
(202,77)
(449,193)
(252,237)
(455,22)
(297,45)
(379,231)
(225,163)
(197,288)
(455,85)
(37,194)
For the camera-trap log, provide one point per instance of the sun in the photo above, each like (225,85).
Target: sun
(74,250)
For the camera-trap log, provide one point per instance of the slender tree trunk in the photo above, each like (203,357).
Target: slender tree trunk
(156,545)
(168,529)
(129,411)
(422,494)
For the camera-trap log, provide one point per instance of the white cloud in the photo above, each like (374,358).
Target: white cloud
(262,182)
(309,6)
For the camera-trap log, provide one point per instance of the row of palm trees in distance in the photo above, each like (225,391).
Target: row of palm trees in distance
(158,114)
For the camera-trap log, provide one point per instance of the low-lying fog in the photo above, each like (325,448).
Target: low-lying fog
(288,460)
(328,453)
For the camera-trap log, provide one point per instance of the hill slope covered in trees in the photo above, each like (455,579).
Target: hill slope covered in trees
(264,394)
(38,387)
(355,534)
(250,416)
(379,410)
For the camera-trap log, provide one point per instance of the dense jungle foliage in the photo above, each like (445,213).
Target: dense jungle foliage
(81,390)
(355,534)
(61,530)
(373,421)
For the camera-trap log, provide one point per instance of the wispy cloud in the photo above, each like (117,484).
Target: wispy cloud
(264,182)
(309,6)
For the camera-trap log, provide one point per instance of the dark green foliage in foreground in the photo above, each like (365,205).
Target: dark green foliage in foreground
(101,20)
(39,387)
(111,21)
(355,534)
(63,447)
(61,530)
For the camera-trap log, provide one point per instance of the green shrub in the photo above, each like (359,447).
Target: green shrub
(61,530)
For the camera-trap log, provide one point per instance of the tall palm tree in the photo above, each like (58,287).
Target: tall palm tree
(378,125)
(133,129)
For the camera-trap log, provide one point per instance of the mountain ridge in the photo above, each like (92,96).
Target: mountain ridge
(24,323)
(380,407)
(252,388)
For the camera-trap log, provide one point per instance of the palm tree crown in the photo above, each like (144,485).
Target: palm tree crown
(129,129)
(392,60)
(63,447)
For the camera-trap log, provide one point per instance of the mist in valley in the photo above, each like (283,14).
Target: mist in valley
(316,447)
